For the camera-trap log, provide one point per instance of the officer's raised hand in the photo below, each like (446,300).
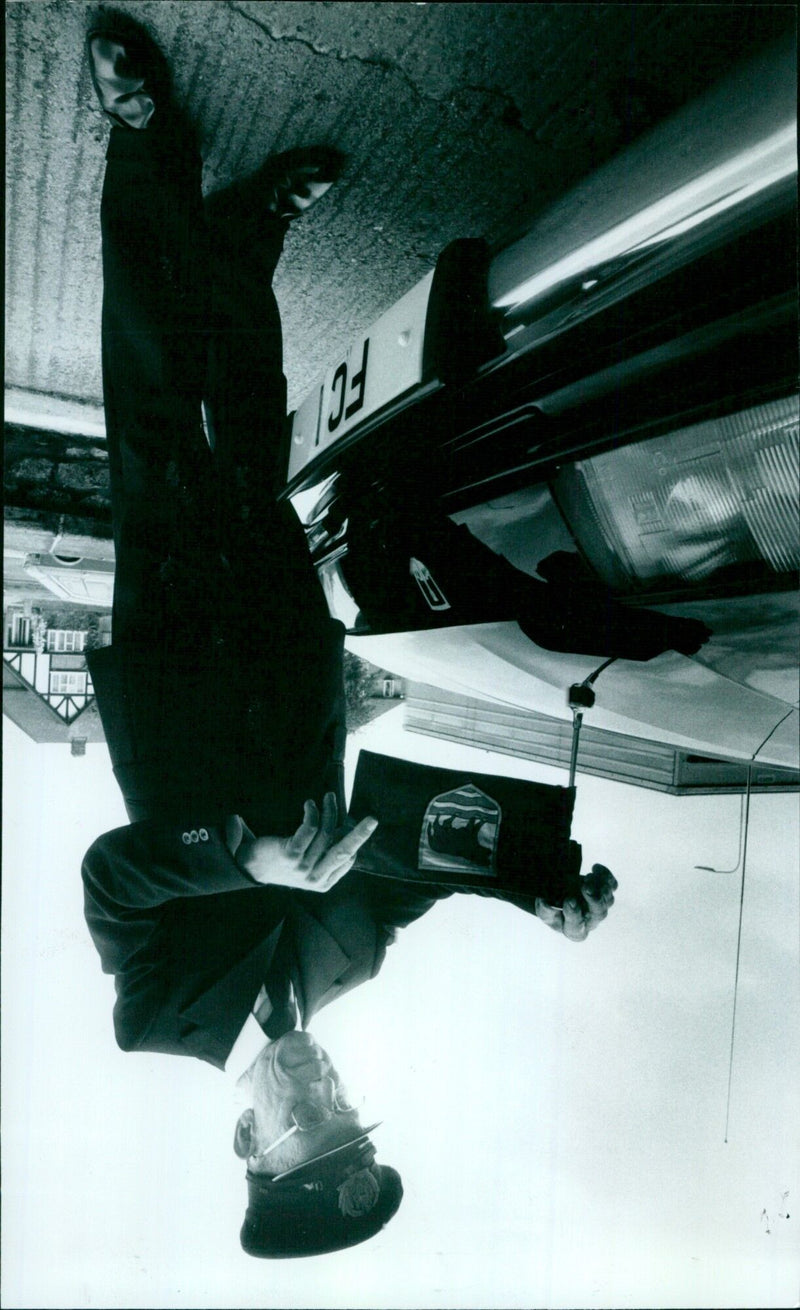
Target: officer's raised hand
(312,859)
(582,912)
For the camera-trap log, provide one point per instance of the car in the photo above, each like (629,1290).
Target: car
(621,382)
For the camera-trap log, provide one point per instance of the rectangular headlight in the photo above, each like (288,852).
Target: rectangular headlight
(712,501)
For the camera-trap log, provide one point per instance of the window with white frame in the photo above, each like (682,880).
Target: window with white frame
(67,684)
(63,639)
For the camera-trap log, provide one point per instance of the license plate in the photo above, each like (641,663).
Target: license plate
(380,366)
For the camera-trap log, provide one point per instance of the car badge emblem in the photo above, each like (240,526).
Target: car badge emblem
(434,597)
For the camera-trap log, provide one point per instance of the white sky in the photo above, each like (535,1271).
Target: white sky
(556,1111)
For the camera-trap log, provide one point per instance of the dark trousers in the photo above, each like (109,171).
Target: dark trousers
(191,329)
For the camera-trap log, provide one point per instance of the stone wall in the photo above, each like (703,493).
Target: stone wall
(58,482)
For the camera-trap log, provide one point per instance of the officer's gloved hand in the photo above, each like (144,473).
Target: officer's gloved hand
(584,617)
(582,912)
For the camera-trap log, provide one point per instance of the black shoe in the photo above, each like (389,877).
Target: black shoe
(284,187)
(296,179)
(129,72)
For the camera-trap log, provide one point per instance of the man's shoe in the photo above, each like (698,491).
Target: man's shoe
(129,73)
(296,179)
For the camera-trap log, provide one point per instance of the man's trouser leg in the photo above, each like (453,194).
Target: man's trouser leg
(245,385)
(155,309)
(189,314)
(246,404)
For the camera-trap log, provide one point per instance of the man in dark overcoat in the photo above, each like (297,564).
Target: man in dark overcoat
(221,694)
(229,907)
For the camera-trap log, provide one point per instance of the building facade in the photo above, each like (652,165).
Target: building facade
(47,687)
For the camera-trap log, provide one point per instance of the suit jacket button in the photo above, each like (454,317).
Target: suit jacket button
(203,835)
(186,839)
(193,835)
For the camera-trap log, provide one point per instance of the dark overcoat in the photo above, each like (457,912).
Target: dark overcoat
(198,731)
